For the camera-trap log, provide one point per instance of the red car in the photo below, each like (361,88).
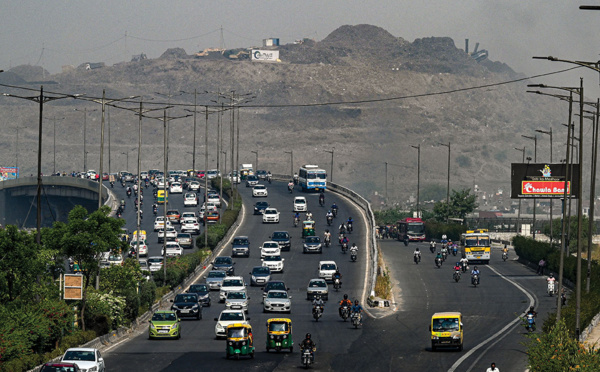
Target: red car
(60,367)
(104,176)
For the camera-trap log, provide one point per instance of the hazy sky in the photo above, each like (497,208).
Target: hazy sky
(53,33)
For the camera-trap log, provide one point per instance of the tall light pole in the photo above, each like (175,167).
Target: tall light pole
(519,213)
(85,112)
(549,132)
(127,164)
(291,162)
(418,147)
(448,187)
(256,153)
(54,119)
(331,174)
(534,138)
(386,181)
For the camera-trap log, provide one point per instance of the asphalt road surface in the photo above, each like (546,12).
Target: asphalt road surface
(198,349)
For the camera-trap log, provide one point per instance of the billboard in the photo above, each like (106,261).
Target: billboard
(265,55)
(543,180)
(9,173)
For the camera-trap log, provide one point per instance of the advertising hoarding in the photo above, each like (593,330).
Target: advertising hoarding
(543,180)
(9,173)
(265,55)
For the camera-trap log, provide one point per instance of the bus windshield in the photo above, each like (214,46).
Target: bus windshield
(417,228)
(477,242)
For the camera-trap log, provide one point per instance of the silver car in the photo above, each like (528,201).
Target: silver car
(237,300)
(317,287)
(214,279)
(277,300)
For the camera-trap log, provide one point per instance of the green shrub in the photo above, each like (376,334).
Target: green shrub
(435,230)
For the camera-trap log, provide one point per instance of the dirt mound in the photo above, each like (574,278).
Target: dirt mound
(174,53)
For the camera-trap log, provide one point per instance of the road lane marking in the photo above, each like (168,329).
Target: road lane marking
(497,334)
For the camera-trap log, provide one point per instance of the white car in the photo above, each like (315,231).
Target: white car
(173,249)
(171,234)
(155,263)
(159,223)
(275,263)
(259,190)
(237,300)
(141,246)
(271,216)
(231,283)
(234,178)
(115,259)
(300,204)
(185,215)
(191,225)
(212,206)
(270,248)
(194,186)
(215,199)
(227,318)
(190,200)
(87,359)
(176,188)
(91,174)
(212,173)
(327,269)
(277,300)
(160,184)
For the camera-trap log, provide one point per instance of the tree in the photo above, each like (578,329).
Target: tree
(462,202)
(84,238)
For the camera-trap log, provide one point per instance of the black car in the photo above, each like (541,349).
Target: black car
(240,246)
(259,207)
(260,275)
(187,305)
(312,244)
(202,291)
(251,181)
(261,174)
(224,263)
(274,284)
(283,238)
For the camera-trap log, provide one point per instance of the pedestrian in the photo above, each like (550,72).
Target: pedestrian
(541,266)
(493,368)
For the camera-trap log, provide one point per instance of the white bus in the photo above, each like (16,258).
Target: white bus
(311,177)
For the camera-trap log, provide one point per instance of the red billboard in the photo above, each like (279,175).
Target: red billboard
(544,188)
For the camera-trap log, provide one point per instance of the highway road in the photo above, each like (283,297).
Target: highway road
(198,348)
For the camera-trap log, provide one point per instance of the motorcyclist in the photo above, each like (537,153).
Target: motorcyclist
(349,223)
(354,249)
(329,217)
(342,228)
(464,262)
(318,302)
(295,181)
(457,267)
(309,216)
(444,251)
(334,209)
(432,244)
(322,199)
(291,185)
(345,302)
(128,191)
(337,275)
(531,311)
(155,208)
(505,251)
(551,279)
(296,218)
(439,258)
(357,309)
(417,254)
(309,344)
(474,272)
(344,240)
(327,236)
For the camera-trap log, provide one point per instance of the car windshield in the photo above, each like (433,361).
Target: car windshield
(270,211)
(270,245)
(155,260)
(216,274)
(273,294)
(279,235)
(261,271)
(252,178)
(240,241)
(162,317)
(223,261)
(275,285)
(190,196)
(85,355)
(273,258)
(236,295)
(237,332)
(259,187)
(232,316)
(278,326)
(198,288)
(300,201)
(184,236)
(328,267)
(317,283)
(262,204)
(185,298)
(313,239)
(445,324)
(233,283)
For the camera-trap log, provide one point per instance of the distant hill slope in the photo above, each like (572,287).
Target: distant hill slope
(352,64)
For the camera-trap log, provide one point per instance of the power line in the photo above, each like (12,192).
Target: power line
(174,40)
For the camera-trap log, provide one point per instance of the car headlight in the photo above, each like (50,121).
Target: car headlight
(93,369)
(219,327)
(195,306)
(435,337)
(152,326)
(174,325)
(268,303)
(457,337)
(272,337)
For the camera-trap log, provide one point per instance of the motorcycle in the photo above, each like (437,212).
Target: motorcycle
(475,280)
(417,258)
(406,241)
(334,211)
(432,247)
(563,299)
(317,312)
(456,275)
(129,193)
(296,180)
(345,312)
(147,183)
(349,226)
(465,267)
(504,256)
(329,220)
(296,221)
(454,251)
(355,318)
(530,323)
(307,357)
(337,284)
(112,184)
(344,247)
(321,200)
(327,241)
(155,210)
(291,188)
(444,254)
(438,262)
(551,288)
(269,178)
(353,255)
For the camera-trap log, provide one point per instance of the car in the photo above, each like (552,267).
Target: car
(159,223)
(240,246)
(211,217)
(271,216)
(214,279)
(214,198)
(194,186)
(233,177)
(202,291)
(160,184)
(143,175)
(300,204)
(145,268)
(155,263)
(105,176)
(277,301)
(60,367)
(212,173)
(140,246)
(283,239)
(191,225)
(259,207)
(251,180)
(317,287)
(173,215)
(164,324)
(115,259)
(173,249)
(261,174)
(91,174)
(224,263)
(211,206)
(274,285)
(87,359)
(259,275)
(185,240)
(187,305)
(327,269)
(227,318)
(231,283)
(270,248)
(202,211)
(190,200)
(275,263)
(188,215)
(170,234)
(259,190)
(312,244)
(127,177)
(237,300)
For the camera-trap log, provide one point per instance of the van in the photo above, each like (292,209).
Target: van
(446,330)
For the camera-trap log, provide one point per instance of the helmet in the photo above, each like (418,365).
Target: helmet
(531,308)
(355,302)
(345,297)
(458,264)
(475,268)
(317,297)
(329,211)
(417,249)
(308,335)
(551,275)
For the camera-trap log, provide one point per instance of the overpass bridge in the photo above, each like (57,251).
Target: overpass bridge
(59,195)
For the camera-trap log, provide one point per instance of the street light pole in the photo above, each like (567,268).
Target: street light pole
(291,162)
(534,138)
(85,112)
(551,200)
(54,139)
(256,153)
(127,155)
(448,187)
(519,213)
(331,174)
(418,147)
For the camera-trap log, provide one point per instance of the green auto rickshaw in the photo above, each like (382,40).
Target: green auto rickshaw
(308,228)
(279,334)
(240,341)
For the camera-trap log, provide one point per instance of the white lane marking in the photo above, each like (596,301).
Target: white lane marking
(497,334)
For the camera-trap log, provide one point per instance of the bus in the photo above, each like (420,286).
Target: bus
(312,178)
(413,227)
(476,245)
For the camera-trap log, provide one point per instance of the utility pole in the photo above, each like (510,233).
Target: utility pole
(331,152)
(85,112)
(534,138)
(54,139)
(418,147)
(256,153)
(448,187)
(519,213)
(551,200)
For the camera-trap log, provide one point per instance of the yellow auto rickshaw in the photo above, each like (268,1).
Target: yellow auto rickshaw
(308,228)
(279,334)
(139,236)
(162,196)
(240,341)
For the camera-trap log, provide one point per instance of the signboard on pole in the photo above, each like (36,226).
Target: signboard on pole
(9,173)
(73,287)
(543,180)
